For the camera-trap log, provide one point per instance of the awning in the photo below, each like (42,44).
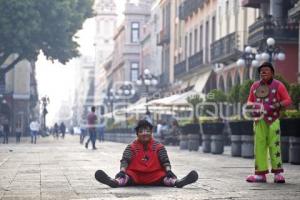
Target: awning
(163,101)
(182,99)
(201,81)
(175,100)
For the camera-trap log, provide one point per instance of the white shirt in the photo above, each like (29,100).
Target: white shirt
(158,129)
(34,126)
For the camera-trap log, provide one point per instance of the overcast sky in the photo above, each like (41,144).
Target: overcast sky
(56,80)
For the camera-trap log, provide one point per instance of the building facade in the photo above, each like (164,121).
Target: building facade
(19,97)
(106,19)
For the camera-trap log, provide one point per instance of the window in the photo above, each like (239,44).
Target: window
(207,42)
(185,46)
(213,34)
(134,71)
(191,44)
(135,32)
(201,38)
(195,40)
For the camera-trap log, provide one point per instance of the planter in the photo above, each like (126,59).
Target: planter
(284,145)
(236,145)
(294,151)
(217,144)
(193,142)
(236,142)
(206,143)
(183,143)
(290,127)
(247,149)
(190,137)
(213,128)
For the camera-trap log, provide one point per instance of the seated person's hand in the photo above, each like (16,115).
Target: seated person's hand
(121,174)
(170,174)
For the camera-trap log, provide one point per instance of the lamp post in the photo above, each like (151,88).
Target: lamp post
(147,79)
(110,97)
(126,91)
(45,101)
(267,52)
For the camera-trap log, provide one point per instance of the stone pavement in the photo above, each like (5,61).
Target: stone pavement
(64,169)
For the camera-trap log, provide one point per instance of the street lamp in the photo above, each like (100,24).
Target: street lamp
(110,97)
(270,52)
(45,101)
(147,79)
(126,91)
(267,52)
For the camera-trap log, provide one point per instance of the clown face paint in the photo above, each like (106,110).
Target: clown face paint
(144,135)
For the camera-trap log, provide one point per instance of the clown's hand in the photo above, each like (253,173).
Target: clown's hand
(121,174)
(170,174)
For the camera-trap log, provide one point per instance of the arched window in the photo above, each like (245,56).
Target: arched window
(221,84)
(229,82)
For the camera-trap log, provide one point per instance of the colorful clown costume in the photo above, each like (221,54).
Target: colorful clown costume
(272,96)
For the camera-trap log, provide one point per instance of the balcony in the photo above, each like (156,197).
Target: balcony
(294,13)
(253,3)
(179,69)
(267,27)
(225,50)
(188,7)
(196,60)
(163,37)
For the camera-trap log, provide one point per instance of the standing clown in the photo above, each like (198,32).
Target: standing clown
(272,96)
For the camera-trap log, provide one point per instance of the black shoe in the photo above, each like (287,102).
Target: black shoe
(190,178)
(86,145)
(102,177)
(94,148)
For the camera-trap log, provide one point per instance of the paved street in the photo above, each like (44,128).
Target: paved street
(64,169)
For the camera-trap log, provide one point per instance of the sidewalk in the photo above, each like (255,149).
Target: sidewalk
(64,169)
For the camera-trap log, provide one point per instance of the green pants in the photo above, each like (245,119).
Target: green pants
(267,145)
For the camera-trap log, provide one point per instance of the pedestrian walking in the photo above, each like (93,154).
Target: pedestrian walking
(62,128)
(270,96)
(5,131)
(101,129)
(56,130)
(34,128)
(19,130)
(92,121)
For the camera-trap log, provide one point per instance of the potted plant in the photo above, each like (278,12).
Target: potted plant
(241,130)
(235,126)
(213,129)
(290,126)
(192,131)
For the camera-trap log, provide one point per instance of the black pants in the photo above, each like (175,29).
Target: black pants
(18,137)
(5,138)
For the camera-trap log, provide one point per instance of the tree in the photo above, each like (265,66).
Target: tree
(295,95)
(194,100)
(245,90)
(29,26)
(234,94)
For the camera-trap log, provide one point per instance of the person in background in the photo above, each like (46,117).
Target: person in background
(19,130)
(34,128)
(101,129)
(92,122)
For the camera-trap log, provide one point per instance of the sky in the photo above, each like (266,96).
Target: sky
(56,80)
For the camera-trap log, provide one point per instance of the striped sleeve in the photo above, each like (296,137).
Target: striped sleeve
(127,154)
(163,157)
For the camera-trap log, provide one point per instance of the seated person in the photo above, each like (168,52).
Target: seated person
(145,162)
